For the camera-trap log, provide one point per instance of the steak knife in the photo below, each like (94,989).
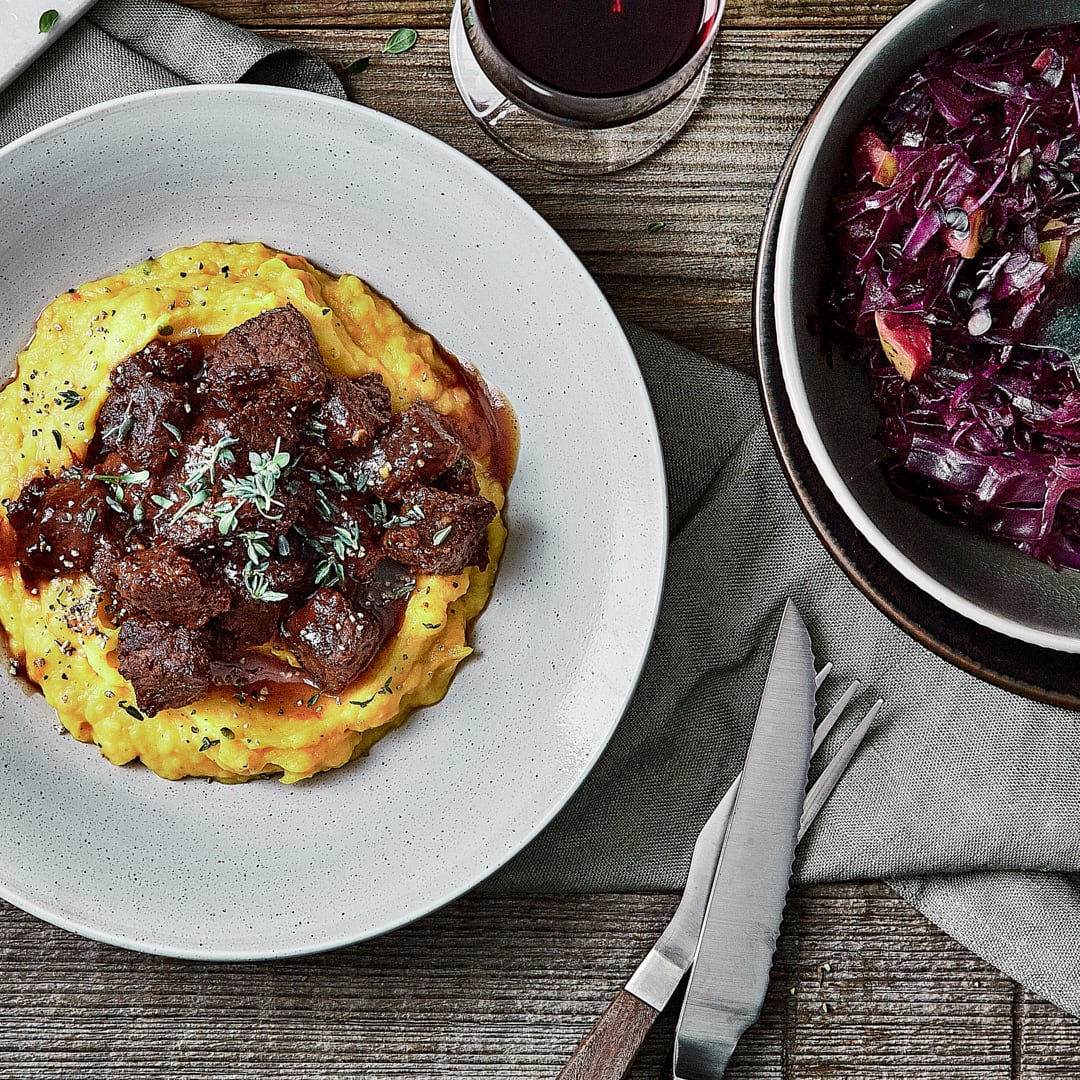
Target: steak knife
(742,921)
(608,1050)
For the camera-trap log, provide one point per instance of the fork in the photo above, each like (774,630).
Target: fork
(609,1049)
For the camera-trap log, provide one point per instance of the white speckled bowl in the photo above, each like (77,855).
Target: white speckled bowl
(262,870)
(983,580)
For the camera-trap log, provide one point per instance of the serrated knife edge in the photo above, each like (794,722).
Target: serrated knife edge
(742,921)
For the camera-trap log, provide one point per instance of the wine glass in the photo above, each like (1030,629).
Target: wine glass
(582,86)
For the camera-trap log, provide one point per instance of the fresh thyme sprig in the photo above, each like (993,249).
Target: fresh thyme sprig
(121,429)
(330,569)
(257,489)
(200,480)
(380,515)
(115,483)
(256,584)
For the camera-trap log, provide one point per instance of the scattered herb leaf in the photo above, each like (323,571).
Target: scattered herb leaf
(655,226)
(358,65)
(400,41)
(48,20)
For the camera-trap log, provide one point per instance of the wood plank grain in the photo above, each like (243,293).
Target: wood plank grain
(436,13)
(1046,1040)
(692,280)
(863,987)
(505,987)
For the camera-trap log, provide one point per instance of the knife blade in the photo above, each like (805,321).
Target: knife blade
(742,921)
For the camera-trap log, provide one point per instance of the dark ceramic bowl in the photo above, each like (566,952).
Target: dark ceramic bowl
(981,581)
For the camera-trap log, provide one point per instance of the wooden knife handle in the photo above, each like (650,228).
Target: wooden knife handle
(608,1051)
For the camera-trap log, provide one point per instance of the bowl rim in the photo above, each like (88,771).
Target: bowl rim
(818,129)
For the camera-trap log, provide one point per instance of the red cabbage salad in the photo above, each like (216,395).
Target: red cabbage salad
(950,230)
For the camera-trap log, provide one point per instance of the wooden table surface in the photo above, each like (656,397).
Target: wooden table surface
(505,986)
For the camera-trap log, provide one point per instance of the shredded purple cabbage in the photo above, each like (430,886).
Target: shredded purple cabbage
(959,232)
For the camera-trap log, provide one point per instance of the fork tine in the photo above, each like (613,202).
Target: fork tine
(821,676)
(823,787)
(825,727)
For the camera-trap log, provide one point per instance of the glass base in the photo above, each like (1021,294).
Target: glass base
(555,147)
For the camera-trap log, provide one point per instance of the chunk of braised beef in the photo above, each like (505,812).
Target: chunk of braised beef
(354,412)
(283,574)
(333,640)
(440,532)
(167,586)
(177,361)
(188,531)
(103,566)
(56,521)
(246,624)
(192,525)
(418,446)
(174,520)
(460,478)
(263,426)
(168,666)
(141,418)
(274,351)
(250,622)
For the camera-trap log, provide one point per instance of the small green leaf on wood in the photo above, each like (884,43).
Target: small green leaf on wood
(655,226)
(359,64)
(400,41)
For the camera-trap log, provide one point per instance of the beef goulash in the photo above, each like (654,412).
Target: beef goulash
(247,550)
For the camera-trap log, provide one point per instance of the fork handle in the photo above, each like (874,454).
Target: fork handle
(608,1051)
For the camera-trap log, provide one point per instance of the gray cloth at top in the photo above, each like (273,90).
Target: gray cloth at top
(126,46)
(965,797)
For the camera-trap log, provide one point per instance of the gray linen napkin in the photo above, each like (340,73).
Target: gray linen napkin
(127,46)
(965,797)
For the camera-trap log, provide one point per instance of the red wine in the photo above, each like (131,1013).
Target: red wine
(597,47)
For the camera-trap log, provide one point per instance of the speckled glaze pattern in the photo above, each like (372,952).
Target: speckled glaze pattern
(264,870)
(984,581)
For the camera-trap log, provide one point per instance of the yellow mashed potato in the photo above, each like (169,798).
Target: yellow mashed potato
(59,635)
